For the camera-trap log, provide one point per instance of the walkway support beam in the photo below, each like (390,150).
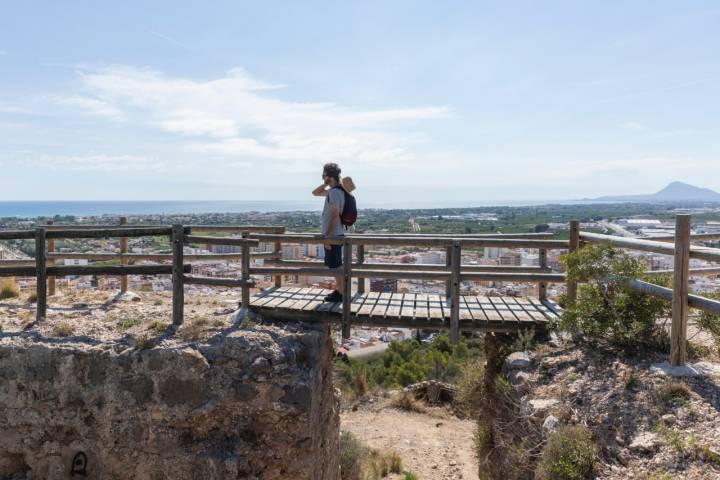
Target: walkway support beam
(123,261)
(542,286)
(50,249)
(178,285)
(245,271)
(360,261)
(347,287)
(455,257)
(41,274)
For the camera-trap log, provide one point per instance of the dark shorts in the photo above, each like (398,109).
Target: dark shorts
(333,257)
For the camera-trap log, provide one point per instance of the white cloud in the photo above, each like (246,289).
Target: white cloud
(3,52)
(90,105)
(239,116)
(96,163)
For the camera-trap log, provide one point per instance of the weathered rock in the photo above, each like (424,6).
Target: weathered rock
(518,361)
(537,407)
(520,381)
(669,419)
(646,442)
(550,424)
(249,404)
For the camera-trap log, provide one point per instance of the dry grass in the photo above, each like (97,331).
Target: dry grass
(406,401)
(9,289)
(63,329)
(157,326)
(193,330)
(359,462)
(675,392)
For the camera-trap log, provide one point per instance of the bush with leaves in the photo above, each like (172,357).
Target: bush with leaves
(606,309)
(568,455)
(710,322)
(408,362)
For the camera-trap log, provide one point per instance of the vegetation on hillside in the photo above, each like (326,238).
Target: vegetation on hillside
(408,362)
(607,310)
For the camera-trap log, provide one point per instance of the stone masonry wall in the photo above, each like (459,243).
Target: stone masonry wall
(248,403)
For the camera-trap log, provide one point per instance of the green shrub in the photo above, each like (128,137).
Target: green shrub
(606,308)
(710,322)
(407,362)
(409,476)
(468,398)
(127,322)
(569,454)
(9,289)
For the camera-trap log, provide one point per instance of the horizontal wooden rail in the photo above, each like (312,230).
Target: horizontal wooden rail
(156,256)
(217,281)
(514,277)
(220,240)
(528,236)
(63,270)
(19,271)
(17,263)
(417,266)
(110,232)
(236,228)
(695,301)
(16,234)
(702,253)
(697,237)
(702,271)
(413,241)
(357,273)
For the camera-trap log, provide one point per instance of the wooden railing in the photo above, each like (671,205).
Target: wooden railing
(453,272)
(682,251)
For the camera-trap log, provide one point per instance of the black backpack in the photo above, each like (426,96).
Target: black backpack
(348,217)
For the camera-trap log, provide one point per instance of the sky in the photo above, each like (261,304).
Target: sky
(417,101)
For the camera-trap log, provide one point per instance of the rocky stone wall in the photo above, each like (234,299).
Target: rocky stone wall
(248,403)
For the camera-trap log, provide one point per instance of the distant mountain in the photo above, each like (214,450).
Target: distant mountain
(674,192)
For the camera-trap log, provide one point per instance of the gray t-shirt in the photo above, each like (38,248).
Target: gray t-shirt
(335,196)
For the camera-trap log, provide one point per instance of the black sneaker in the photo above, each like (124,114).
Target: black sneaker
(335,296)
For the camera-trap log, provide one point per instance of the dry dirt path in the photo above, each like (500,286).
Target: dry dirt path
(434,447)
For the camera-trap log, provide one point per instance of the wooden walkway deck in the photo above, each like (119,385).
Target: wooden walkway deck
(409,310)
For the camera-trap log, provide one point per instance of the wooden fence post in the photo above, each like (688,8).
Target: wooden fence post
(448,264)
(40,269)
(347,287)
(456,256)
(360,261)
(542,286)
(123,261)
(50,249)
(245,272)
(571,287)
(278,248)
(178,299)
(678,333)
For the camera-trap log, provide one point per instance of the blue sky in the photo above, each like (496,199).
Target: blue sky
(421,101)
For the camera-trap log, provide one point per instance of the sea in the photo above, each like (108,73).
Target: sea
(30,209)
